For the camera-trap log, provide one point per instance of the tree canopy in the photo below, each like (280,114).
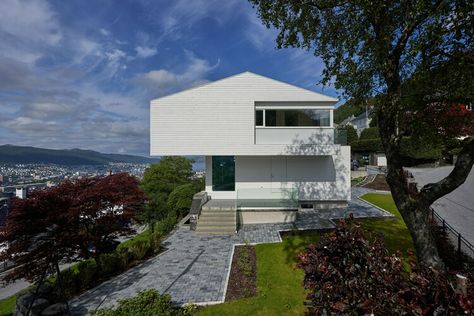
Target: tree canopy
(59,224)
(162,178)
(409,55)
(160,182)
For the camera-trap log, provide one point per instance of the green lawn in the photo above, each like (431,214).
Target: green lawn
(279,282)
(7,305)
(280,285)
(395,232)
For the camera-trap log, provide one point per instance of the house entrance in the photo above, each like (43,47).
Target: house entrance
(223,173)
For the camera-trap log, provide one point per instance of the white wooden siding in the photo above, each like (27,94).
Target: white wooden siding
(219,118)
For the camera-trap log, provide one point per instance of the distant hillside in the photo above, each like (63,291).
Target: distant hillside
(347,109)
(23,154)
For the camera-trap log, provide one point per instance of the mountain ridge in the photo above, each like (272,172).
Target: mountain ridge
(29,154)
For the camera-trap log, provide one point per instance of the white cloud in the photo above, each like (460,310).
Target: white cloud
(26,26)
(159,82)
(158,79)
(145,52)
(104,32)
(181,15)
(32,126)
(262,38)
(87,46)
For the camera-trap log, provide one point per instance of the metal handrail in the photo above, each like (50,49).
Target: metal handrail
(461,240)
(413,187)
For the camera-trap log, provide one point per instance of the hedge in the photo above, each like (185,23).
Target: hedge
(371,145)
(418,149)
(146,303)
(370,133)
(88,273)
(410,148)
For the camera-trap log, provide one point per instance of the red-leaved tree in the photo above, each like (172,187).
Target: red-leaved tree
(59,224)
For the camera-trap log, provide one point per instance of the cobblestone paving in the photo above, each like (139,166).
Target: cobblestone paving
(194,268)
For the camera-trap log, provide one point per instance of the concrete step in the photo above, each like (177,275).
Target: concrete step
(215,230)
(215,224)
(218,217)
(218,209)
(207,233)
(217,214)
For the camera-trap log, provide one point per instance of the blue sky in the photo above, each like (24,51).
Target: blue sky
(80,74)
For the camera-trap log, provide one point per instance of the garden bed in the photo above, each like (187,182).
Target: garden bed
(243,273)
(379,183)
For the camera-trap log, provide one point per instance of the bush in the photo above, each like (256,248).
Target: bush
(419,149)
(166,225)
(69,286)
(349,275)
(155,242)
(370,133)
(351,134)
(110,264)
(364,145)
(141,248)
(181,198)
(86,273)
(146,303)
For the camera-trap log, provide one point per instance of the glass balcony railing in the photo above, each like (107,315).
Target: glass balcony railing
(340,136)
(267,198)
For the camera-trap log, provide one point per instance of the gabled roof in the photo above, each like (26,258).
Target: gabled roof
(362,116)
(259,79)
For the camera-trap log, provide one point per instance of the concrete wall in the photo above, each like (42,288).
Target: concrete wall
(294,135)
(266,217)
(219,118)
(381,160)
(322,178)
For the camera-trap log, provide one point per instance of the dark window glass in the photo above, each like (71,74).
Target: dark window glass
(259,118)
(270,117)
(223,173)
(297,117)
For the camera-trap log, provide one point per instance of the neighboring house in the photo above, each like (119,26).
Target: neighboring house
(360,122)
(269,147)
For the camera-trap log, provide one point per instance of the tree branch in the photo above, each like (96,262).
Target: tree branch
(320,7)
(410,28)
(433,191)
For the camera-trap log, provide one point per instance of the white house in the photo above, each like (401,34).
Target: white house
(360,122)
(269,146)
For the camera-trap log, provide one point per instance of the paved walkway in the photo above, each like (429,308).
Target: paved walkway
(7,290)
(194,269)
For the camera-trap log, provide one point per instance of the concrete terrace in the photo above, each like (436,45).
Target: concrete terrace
(194,268)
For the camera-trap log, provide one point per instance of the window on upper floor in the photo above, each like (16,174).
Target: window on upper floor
(259,118)
(294,117)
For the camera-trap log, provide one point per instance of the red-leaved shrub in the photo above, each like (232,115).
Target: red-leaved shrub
(348,274)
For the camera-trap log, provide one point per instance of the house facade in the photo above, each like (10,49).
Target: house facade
(360,122)
(269,146)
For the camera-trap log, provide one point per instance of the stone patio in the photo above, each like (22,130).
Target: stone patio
(194,269)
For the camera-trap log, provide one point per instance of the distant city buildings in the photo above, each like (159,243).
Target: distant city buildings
(50,174)
(21,192)
(19,180)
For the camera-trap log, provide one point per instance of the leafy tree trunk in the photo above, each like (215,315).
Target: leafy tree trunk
(414,212)
(415,209)
(416,217)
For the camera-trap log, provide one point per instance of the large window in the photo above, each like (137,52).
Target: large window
(296,117)
(223,173)
(259,118)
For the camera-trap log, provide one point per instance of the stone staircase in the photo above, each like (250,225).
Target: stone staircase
(218,217)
